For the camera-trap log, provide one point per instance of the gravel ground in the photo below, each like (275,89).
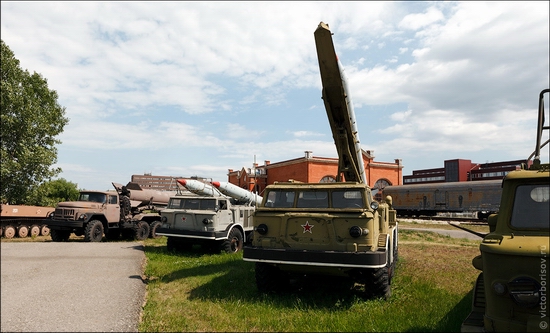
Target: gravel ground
(71,287)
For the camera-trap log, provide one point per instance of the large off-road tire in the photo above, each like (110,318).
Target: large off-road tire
(9,232)
(141,230)
(93,231)
(22,231)
(60,235)
(153,229)
(35,230)
(234,241)
(270,279)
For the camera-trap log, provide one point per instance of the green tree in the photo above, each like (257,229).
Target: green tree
(51,192)
(31,120)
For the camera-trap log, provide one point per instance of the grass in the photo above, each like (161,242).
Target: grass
(196,291)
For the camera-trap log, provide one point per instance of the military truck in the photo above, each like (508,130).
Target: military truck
(207,217)
(510,292)
(129,211)
(312,231)
(24,220)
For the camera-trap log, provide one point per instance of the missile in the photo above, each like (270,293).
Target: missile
(238,193)
(337,100)
(198,187)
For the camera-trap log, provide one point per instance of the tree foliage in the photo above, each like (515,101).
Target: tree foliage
(31,120)
(51,192)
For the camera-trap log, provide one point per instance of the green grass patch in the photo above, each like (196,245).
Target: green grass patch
(197,291)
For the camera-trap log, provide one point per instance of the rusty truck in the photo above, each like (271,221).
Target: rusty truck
(128,210)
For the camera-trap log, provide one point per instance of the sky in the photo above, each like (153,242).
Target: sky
(197,88)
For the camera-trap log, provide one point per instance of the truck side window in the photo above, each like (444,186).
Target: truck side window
(112,199)
(531,207)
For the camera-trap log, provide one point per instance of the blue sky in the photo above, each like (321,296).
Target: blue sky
(197,88)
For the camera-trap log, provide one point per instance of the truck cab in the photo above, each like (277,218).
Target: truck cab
(510,292)
(212,221)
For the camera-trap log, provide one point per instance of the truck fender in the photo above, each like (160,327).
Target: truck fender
(238,226)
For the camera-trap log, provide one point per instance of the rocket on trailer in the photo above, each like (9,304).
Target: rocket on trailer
(238,193)
(198,187)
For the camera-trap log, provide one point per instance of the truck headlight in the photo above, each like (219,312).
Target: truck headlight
(525,292)
(357,231)
(164,219)
(82,217)
(207,221)
(262,229)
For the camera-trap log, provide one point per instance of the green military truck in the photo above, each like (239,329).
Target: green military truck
(307,231)
(510,293)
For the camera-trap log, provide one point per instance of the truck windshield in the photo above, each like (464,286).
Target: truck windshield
(93,197)
(531,207)
(192,203)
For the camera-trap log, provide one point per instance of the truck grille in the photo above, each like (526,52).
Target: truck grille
(64,213)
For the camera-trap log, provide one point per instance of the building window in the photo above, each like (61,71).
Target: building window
(327,179)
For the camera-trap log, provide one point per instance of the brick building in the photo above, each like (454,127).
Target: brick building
(313,169)
(460,170)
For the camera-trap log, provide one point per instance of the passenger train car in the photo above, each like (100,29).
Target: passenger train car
(477,197)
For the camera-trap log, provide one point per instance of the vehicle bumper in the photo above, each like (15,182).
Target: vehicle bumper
(63,225)
(316,258)
(208,235)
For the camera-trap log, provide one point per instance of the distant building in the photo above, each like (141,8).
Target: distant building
(313,169)
(151,182)
(463,170)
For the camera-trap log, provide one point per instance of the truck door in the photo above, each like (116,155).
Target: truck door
(112,208)
(224,214)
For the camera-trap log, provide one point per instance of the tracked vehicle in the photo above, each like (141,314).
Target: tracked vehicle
(510,293)
(309,231)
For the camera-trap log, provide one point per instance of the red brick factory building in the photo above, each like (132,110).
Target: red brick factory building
(314,169)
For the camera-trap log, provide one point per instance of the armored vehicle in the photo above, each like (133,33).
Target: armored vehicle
(510,292)
(307,230)
(23,220)
(208,218)
(130,210)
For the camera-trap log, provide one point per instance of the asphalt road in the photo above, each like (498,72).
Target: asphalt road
(71,287)
(452,233)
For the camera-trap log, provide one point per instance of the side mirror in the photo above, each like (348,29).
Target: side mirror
(492,221)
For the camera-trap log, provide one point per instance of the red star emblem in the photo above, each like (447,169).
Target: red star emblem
(307,227)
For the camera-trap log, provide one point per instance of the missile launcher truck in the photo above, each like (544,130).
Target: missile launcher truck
(129,211)
(210,218)
(510,293)
(304,231)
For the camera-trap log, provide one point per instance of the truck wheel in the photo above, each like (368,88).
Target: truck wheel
(35,230)
(377,284)
(234,242)
(141,231)
(270,279)
(9,232)
(22,231)
(60,235)
(93,231)
(153,232)
(44,230)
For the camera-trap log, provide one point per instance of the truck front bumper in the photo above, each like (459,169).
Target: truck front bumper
(315,258)
(208,235)
(63,224)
